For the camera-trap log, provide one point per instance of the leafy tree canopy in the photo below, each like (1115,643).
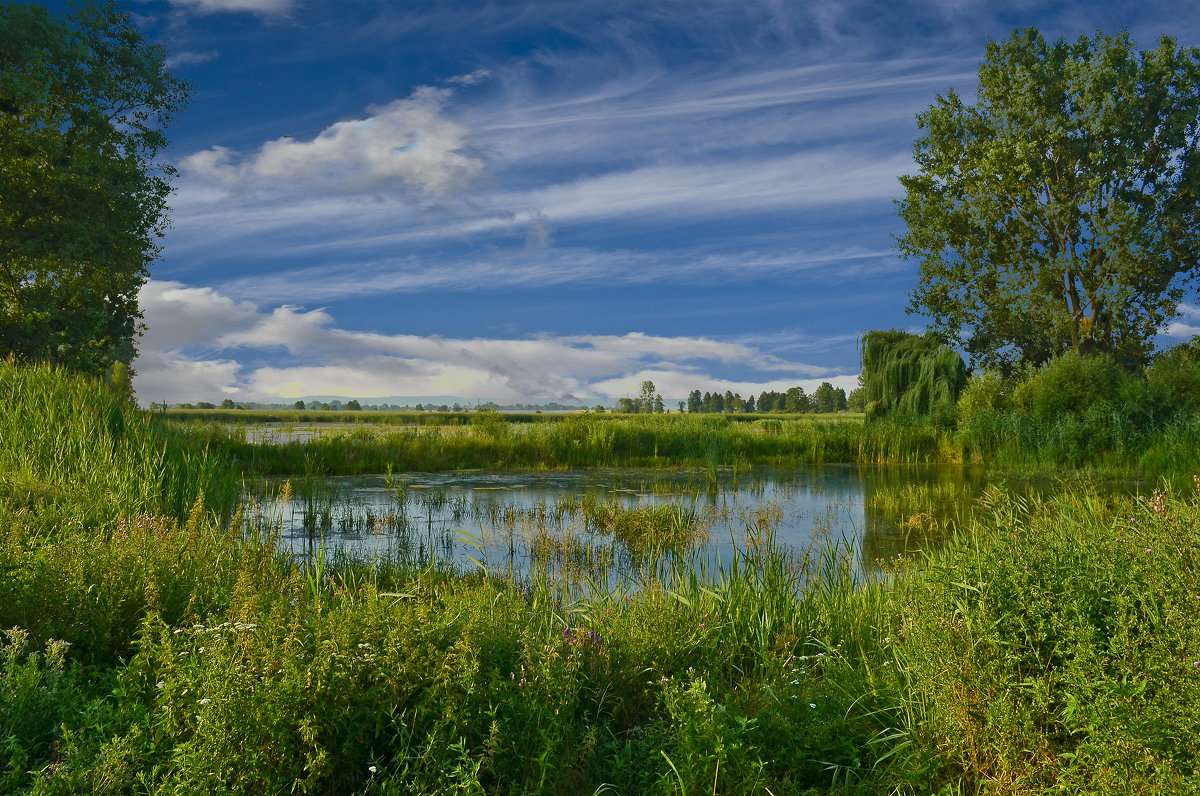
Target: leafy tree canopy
(1061,211)
(84,100)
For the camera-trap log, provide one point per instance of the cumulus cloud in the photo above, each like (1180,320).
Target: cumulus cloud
(409,145)
(176,378)
(178,316)
(201,343)
(1189,326)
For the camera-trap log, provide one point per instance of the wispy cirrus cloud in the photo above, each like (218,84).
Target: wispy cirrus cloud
(263,7)
(521,268)
(188,58)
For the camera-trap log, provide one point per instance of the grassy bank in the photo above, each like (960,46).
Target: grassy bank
(434,418)
(577,441)
(1051,647)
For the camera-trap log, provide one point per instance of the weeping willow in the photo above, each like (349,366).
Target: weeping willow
(910,376)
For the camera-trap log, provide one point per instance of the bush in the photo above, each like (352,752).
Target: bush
(37,694)
(1070,385)
(1173,379)
(1056,650)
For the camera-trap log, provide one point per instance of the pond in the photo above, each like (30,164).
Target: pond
(611,519)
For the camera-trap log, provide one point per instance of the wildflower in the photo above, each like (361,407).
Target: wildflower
(812,704)
(205,701)
(372,769)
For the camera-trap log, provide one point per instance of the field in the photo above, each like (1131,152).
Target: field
(161,643)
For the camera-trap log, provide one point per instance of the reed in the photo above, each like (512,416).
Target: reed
(578,441)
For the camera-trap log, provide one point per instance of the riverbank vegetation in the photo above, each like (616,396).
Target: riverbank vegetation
(162,644)
(579,441)
(1084,413)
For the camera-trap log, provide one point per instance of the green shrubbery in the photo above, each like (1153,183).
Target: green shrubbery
(1056,647)
(1087,412)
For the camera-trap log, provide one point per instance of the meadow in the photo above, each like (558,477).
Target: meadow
(160,642)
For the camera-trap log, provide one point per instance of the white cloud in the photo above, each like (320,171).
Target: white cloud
(474,78)
(530,268)
(175,378)
(201,343)
(185,57)
(1178,329)
(178,316)
(264,7)
(1186,327)
(405,146)
(730,188)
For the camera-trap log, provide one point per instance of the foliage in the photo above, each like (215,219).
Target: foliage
(1052,647)
(1062,210)
(1071,385)
(73,446)
(83,102)
(1055,647)
(910,376)
(1173,379)
(36,695)
(1086,411)
(570,442)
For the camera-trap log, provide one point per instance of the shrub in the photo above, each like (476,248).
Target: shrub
(1070,385)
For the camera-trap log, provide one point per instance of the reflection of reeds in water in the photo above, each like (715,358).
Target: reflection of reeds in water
(912,498)
(760,523)
(921,511)
(601,535)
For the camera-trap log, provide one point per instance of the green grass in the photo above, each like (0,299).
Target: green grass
(1052,646)
(580,441)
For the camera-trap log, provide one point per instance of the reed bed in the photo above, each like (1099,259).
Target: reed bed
(580,441)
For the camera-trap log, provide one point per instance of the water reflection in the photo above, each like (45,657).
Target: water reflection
(605,520)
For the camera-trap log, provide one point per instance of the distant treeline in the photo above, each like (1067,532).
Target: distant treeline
(353,405)
(826,398)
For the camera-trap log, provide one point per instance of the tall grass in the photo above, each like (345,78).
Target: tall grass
(68,441)
(580,441)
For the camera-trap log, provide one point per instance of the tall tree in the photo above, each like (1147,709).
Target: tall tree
(1061,210)
(795,400)
(84,100)
(645,400)
(825,398)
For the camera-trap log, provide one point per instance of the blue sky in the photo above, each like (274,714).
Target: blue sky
(553,199)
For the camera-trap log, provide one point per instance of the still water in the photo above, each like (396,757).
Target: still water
(519,520)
